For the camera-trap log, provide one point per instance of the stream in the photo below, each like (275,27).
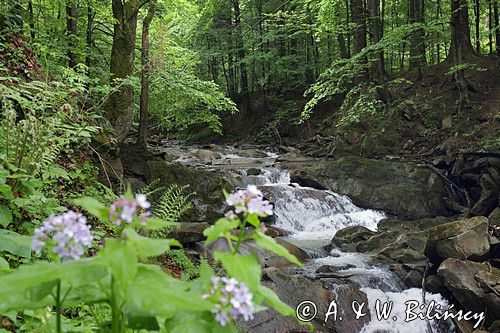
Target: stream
(312,217)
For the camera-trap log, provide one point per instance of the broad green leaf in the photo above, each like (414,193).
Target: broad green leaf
(219,229)
(6,192)
(5,216)
(253,219)
(93,207)
(243,268)
(4,265)
(149,247)
(15,244)
(122,259)
(271,299)
(270,244)
(154,293)
(29,287)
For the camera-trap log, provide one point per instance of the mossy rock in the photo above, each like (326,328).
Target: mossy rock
(207,184)
(402,189)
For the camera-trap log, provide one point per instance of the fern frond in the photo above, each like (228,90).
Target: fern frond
(171,205)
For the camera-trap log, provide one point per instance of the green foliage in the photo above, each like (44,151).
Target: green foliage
(138,294)
(173,202)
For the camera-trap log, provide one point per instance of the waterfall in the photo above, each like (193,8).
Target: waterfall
(313,217)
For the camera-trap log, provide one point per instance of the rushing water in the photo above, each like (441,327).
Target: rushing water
(312,217)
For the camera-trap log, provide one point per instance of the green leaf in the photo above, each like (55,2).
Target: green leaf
(253,219)
(6,192)
(270,244)
(149,247)
(5,216)
(154,293)
(139,323)
(4,265)
(15,244)
(122,259)
(243,268)
(93,207)
(219,229)
(271,299)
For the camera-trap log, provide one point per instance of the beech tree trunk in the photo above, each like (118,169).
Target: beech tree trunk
(477,14)
(375,23)
(120,105)
(146,67)
(71,32)
(359,30)
(241,54)
(461,46)
(88,39)
(417,39)
(495,19)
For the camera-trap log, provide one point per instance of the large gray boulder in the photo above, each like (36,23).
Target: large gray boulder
(207,185)
(399,188)
(461,239)
(476,286)
(294,287)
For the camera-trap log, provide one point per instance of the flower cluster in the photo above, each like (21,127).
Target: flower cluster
(68,232)
(250,200)
(124,209)
(233,299)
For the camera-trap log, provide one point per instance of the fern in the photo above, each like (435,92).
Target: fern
(152,188)
(171,205)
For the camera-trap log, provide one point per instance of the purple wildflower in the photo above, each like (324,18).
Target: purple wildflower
(124,210)
(250,200)
(232,300)
(68,232)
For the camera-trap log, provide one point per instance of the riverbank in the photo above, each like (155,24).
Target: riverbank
(418,236)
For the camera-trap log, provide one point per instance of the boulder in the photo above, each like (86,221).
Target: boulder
(205,156)
(189,233)
(208,200)
(459,277)
(451,245)
(347,238)
(468,245)
(494,218)
(399,188)
(266,258)
(293,288)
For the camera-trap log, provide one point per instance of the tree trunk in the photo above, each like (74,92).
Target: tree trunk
(121,102)
(490,25)
(417,39)
(146,67)
(241,54)
(32,20)
(88,39)
(71,32)
(497,28)
(375,24)
(477,12)
(359,30)
(461,47)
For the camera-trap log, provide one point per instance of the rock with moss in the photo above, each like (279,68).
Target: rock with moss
(208,200)
(402,189)
(451,244)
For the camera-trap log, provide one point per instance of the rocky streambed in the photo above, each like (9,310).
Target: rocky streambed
(369,232)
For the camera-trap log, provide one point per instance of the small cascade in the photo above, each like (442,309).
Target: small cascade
(313,217)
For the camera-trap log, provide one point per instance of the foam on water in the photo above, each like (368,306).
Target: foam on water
(396,322)
(313,217)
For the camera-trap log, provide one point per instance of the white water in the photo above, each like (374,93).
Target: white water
(313,217)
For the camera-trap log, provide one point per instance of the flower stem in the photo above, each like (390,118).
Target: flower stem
(58,307)
(115,311)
